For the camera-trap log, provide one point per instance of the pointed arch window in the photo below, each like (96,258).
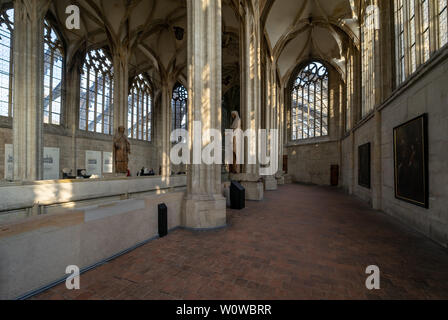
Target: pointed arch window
(53,67)
(96,96)
(442,18)
(309,110)
(368,51)
(420,29)
(6,62)
(140,109)
(179,105)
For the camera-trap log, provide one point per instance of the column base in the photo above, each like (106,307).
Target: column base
(288,179)
(203,214)
(270,183)
(254,190)
(280,181)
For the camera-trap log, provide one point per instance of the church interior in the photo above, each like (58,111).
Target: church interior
(353,92)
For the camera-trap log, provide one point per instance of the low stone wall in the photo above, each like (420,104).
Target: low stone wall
(16,200)
(35,252)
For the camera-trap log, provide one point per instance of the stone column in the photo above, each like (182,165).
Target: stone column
(251,96)
(281,120)
(270,182)
(165,129)
(205,207)
(121,87)
(377,181)
(28,89)
(71,116)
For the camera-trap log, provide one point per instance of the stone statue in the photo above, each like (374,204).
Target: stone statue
(122,149)
(236,125)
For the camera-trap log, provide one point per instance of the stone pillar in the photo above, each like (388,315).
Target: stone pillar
(121,87)
(205,207)
(270,182)
(165,129)
(251,96)
(377,181)
(71,117)
(28,89)
(281,120)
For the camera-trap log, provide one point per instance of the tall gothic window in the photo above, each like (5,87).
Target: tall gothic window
(400,47)
(368,51)
(309,109)
(6,63)
(140,109)
(414,33)
(425,22)
(442,18)
(179,106)
(53,65)
(96,99)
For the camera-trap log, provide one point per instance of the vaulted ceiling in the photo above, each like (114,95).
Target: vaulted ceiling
(146,27)
(298,30)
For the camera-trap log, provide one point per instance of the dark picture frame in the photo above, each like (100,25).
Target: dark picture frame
(365,165)
(411,162)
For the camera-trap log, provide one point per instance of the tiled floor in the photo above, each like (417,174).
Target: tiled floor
(302,242)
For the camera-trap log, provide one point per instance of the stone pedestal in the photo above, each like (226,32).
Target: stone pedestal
(226,193)
(270,183)
(288,179)
(203,214)
(254,190)
(252,183)
(280,180)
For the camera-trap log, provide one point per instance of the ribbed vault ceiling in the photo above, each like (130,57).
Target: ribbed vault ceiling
(145,26)
(298,30)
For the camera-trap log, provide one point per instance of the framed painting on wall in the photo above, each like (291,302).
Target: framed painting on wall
(411,161)
(364,166)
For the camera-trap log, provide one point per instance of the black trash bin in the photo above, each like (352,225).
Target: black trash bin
(237,196)
(163,220)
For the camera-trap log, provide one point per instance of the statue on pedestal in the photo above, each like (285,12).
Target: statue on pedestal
(236,125)
(122,149)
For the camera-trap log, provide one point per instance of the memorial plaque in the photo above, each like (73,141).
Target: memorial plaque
(93,163)
(9,162)
(51,163)
(107,162)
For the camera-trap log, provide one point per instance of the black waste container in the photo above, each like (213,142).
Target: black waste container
(237,196)
(163,220)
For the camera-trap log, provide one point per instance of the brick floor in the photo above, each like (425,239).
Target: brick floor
(302,242)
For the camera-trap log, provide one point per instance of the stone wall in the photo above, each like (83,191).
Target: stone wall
(364,134)
(428,95)
(425,92)
(35,252)
(143,154)
(311,163)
